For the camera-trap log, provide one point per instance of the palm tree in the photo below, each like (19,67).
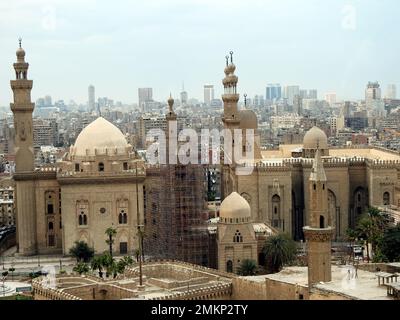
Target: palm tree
(108,262)
(279,250)
(97,264)
(81,268)
(81,251)
(110,232)
(372,226)
(247,268)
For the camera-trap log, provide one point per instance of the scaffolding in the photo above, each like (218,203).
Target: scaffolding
(176,214)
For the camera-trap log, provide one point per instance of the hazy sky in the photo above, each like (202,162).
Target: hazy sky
(118,46)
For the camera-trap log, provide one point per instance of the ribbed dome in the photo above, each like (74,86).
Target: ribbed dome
(101,135)
(235,206)
(315,138)
(248,119)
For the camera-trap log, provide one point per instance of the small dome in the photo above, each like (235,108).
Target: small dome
(170,102)
(101,135)
(248,119)
(20,53)
(230,69)
(234,206)
(315,138)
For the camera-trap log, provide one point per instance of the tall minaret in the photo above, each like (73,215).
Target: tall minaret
(230,97)
(22,108)
(231,120)
(318,234)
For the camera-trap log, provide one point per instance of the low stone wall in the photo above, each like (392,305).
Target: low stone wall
(101,292)
(244,289)
(176,284)
(373,267)
(220,291)
(278,290)
(170,268)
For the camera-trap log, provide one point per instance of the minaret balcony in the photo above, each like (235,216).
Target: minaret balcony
(21,84)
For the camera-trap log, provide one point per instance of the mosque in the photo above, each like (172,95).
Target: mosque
(277,188)
(99,183)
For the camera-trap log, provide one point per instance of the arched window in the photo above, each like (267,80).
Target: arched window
(386,199)
(238,237)
(315,186)
(82,219)
(276,204)
(122,217)
(229,266)
(101,166)
(322,222)
(51,226)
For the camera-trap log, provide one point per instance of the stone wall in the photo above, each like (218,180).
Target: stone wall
(243,289)
(278,290)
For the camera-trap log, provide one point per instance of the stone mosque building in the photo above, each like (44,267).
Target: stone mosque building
(97,185)
(277,188)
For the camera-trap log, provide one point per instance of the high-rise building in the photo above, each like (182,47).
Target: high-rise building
(346,109)
(372,92)
(289,92)
(92,99)
(330,97)
(273,92)
(184,95)
(47,101)
(313,94)
(145,96)
(298,105)
(40,103)
(391,91)
(45,132)
(303,94)
(208,93)
(258,101)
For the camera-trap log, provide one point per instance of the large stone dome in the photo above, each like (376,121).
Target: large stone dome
(234,206)
(100,137)
(315,138)
(248,119)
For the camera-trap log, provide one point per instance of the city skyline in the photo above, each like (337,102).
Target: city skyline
(159,45)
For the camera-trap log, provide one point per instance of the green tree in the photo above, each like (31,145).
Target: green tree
(390,244)
(108,263)
(81,251)
(111,233)
(279,250)
(81,268)
(97,264)
(247,268)
(371,227)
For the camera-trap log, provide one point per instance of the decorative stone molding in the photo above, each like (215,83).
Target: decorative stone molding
(318,235)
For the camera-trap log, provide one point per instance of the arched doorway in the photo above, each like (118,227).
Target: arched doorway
(334,219)
(229,266)
(386,199)
(360,201)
